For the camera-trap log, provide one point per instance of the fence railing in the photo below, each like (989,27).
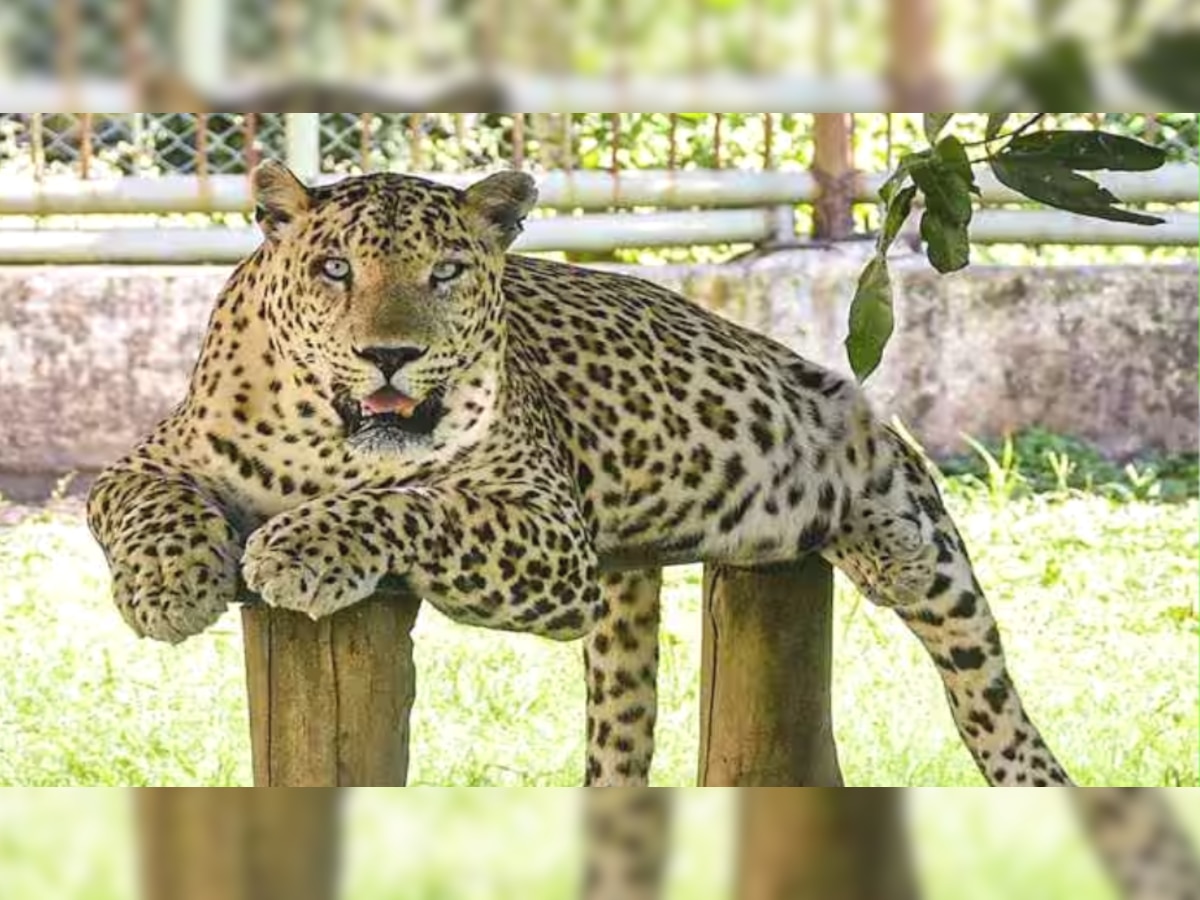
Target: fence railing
(78,187)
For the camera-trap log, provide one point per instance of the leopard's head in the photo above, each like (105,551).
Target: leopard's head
(386,290)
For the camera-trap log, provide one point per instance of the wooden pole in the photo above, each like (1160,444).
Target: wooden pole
(833,171)
(215,844)
(330,700)
(765,676)
(818,844)
(914,79)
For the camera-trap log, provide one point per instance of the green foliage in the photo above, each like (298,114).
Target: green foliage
(933,123)
(871,319)
(1167,67)
(1056,75)
(1038,461)
(1043,167)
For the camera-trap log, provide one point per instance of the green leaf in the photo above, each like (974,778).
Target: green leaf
(1057,76)
(933,123)
(896,180)
(945,190)
(995,121)
(895,216)
(1085,150)
(1052,183)
(1166,67)
(871,319)
(946,243)
(951,153)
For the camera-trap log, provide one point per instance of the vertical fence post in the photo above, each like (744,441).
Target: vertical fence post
(214,844)
(833,170)
(766,651)
(913,77)
(303,144)
(824,845)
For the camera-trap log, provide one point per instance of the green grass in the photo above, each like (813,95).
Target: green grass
(1095,590)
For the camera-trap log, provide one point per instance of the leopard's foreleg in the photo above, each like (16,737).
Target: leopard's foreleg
(620,659)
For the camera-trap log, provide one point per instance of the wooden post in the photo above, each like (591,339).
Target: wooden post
(765,676)
(818,844)
(833,170)
(215,844)
(913,77)
(330,700)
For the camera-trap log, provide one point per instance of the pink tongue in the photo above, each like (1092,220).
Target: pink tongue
(390,400)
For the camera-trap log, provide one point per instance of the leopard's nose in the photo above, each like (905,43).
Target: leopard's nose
(390,360)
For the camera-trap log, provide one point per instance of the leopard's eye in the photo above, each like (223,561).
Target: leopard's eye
(335,268)
(446,270)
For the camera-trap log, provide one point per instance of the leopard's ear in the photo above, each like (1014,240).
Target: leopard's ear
(279,196)
(502,201)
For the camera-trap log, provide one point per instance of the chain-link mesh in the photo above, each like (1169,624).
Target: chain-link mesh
(230,143)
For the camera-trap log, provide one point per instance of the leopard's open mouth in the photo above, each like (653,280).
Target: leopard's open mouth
(388,411)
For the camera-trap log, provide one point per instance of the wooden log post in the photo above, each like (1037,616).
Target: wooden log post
(330,700)
(765,692)
(833,171)
(818,844)
(215,844)
(914,80)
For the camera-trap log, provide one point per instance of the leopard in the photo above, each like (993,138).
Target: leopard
(385,392)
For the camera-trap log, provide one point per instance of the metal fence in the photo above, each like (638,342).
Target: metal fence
(79,186)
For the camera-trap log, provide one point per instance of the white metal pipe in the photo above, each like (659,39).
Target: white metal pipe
(557,190)
(302,135)
(1020,226)
(588,190)
(596,232)
(192,245)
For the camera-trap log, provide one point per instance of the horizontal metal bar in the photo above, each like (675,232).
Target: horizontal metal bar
(559,190)
(1019,226)
(597,232)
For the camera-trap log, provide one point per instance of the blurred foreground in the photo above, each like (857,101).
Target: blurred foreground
(549,55)
(497,845)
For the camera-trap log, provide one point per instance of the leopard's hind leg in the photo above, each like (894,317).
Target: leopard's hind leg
(1140,842)
(900,548)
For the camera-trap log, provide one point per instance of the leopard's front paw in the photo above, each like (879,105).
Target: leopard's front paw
(294,564)
(170,590)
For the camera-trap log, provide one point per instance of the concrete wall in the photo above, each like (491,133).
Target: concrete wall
(90,357)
